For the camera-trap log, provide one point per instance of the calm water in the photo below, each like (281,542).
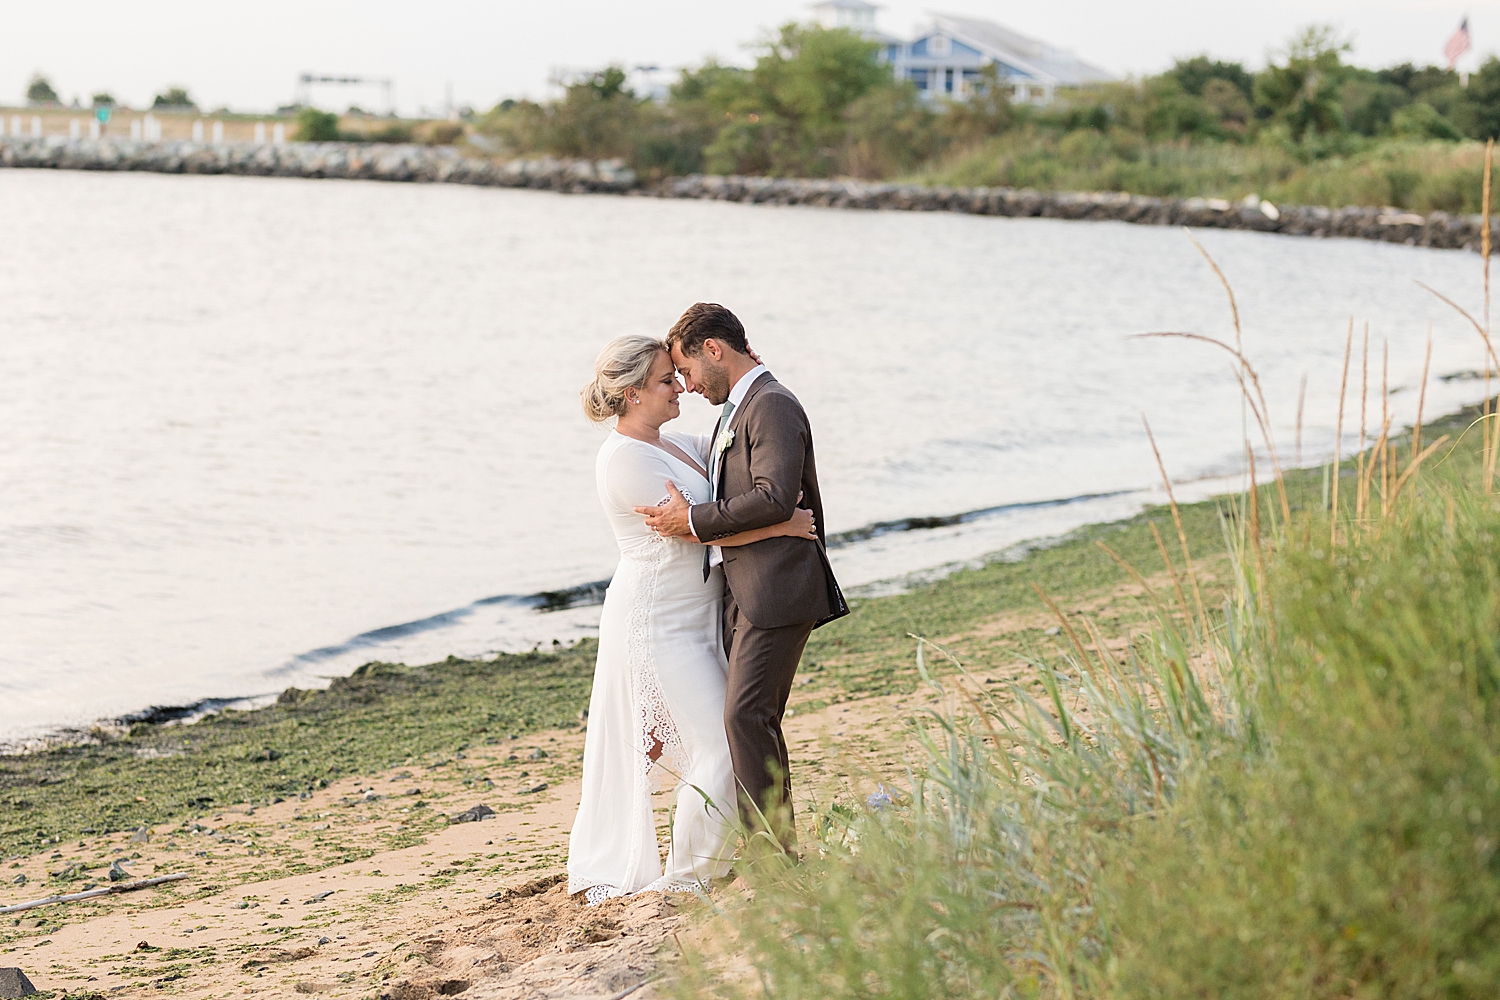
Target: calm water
(249,427)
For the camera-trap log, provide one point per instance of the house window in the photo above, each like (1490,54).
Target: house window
(919,77)
(939,45)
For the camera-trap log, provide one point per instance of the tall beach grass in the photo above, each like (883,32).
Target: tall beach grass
(1292,793)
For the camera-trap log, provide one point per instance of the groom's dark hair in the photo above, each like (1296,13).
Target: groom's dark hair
(707,321)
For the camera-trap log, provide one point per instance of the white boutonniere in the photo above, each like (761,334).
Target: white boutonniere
(726,438)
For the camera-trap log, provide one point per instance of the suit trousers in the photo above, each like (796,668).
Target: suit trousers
(762,664)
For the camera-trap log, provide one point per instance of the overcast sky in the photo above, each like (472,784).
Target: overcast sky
(248,55)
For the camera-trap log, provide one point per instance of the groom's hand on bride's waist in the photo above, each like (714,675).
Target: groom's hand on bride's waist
(670,520)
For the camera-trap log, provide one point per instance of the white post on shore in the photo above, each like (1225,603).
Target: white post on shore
(75,129)
(153,129)
(135,130)
(95,130)
(36,126)
(278,134)
(260,133)
(15,126)
(218,131)
(198,130)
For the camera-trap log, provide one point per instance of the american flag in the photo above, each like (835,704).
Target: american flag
(1458,44)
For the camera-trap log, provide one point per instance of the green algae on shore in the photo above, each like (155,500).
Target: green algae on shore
(380,717)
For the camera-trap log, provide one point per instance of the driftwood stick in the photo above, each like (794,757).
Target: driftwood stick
(103,890)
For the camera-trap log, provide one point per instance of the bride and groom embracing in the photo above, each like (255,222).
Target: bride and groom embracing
(722,577)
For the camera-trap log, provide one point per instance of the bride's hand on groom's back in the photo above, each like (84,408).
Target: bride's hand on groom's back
(802,525)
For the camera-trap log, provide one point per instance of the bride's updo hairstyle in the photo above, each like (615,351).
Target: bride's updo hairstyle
(625,363)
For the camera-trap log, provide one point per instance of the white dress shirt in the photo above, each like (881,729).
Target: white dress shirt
(737,397)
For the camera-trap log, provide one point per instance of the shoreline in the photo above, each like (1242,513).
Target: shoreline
(445,165)
(937,534)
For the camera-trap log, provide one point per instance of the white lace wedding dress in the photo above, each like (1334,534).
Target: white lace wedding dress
(660,677)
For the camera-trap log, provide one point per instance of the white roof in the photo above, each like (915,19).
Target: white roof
(1037,58)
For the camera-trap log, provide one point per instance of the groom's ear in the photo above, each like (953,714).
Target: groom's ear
(712,350)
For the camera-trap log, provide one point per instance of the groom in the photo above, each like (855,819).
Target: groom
(779,589)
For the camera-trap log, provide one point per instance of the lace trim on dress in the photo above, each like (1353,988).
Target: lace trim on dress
(657,724)
(665,884)
(653,722)
(598,893)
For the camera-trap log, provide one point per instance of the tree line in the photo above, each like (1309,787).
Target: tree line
(818,102)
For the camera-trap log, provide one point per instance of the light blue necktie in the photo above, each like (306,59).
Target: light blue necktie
(713,458)
(713,473)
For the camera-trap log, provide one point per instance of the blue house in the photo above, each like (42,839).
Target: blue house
(946,58)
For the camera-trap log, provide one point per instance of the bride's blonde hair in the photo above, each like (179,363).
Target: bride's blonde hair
(625,363)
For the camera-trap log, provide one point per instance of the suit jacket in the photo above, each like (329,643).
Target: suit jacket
(778,581)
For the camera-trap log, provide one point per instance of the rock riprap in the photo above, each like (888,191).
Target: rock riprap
(341,160)
(1389,225)
(445,165)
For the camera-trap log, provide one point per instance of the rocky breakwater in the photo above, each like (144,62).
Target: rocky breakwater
(342,160)
(1389,225)
(445,165)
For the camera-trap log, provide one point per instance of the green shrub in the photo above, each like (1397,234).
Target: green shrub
(316,126)
(445,133)
(392,132)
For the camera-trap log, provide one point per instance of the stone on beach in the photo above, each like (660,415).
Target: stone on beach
(473,815)
(13,983)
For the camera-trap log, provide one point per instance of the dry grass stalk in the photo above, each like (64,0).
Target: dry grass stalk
(1367,475)
(1491,435)
(1416,430)
(1260,553)
(1385,421)
(1361,459)
(1234,308)
(1187,557)
(1338,439)
(1484,237)
(1478,327)
(1493,453)
(1135,574)
(1067,626)
(1414,464)
(1255,400)
(1161,546)
(1301,402)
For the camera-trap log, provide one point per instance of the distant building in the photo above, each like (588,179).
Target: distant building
(855,15)
(946,58)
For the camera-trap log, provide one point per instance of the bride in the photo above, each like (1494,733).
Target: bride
(658,698)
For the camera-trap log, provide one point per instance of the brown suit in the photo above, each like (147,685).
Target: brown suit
(780,589)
